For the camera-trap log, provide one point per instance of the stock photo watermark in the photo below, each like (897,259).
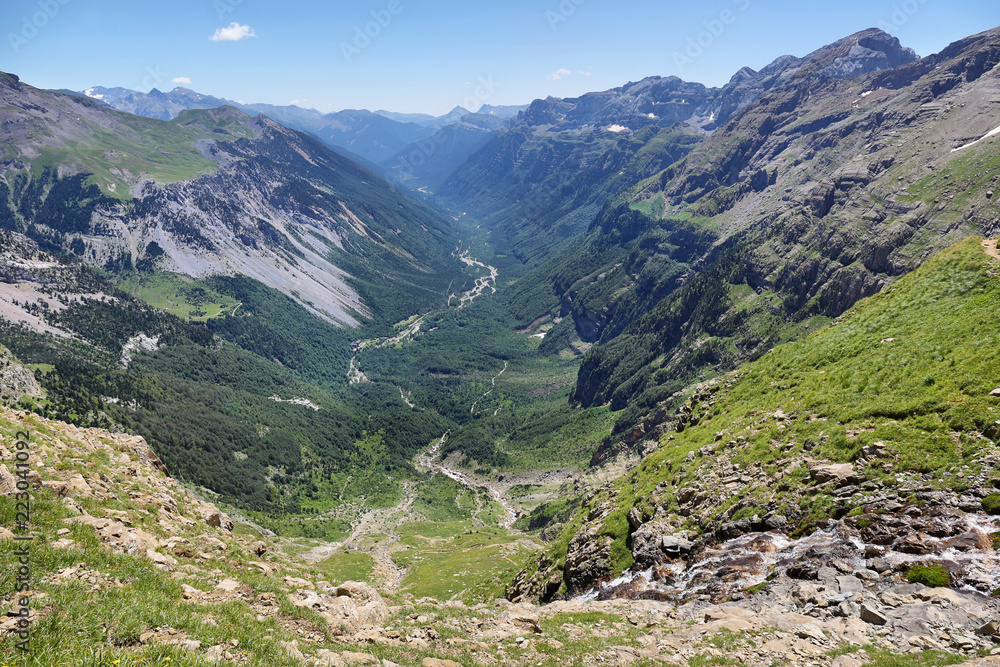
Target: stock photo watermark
(714,29)
(364,34)
(153,77)
(423,150)
(901,14)
(562,13)
(225,7)
(21,556)
(32,24)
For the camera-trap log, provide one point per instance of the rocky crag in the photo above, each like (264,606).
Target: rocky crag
(792,483)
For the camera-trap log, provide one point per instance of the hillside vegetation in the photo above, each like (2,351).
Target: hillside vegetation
(900,388)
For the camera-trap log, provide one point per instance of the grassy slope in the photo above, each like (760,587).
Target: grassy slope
(180,295)
(99,622)
(163,151)
(105,613)
(911,368)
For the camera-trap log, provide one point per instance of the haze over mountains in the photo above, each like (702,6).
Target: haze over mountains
(373,136)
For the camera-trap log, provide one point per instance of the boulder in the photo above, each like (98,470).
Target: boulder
(8,481)
(840,473)
(356,606)
(78,487)
(167,562)
(674,545)
(991,629)
(523,616)
(516,620)
(328,658)
(818,595)
(217,519)
(227,585)
(846,661)
(872,615)
(292,650)
(941,595)
(355,658)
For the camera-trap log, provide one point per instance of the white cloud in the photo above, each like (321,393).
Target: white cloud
(585,73)
(181,79)
(560,73)
(234,33)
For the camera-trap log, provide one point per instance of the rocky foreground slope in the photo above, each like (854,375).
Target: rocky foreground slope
(128,568)
(829,477)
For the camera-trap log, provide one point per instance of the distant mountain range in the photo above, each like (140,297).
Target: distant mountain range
(372,136)
(825,179)
(541,180)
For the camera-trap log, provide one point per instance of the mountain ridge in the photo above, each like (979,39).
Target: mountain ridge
(746,181)
(857,415)
(237,193)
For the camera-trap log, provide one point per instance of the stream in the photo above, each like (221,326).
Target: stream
(426,460)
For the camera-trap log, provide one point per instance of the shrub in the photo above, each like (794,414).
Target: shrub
(934,576)
(991,503)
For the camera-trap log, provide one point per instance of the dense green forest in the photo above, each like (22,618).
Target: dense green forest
(215,399)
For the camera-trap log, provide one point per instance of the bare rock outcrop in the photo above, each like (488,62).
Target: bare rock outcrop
(348,609)
(16,380)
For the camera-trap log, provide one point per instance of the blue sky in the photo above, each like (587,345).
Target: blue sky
(431,55)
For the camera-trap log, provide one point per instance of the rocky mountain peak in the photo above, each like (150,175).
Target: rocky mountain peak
(863,52)
(743,74)
(9,80)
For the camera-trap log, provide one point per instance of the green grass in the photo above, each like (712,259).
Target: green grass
(164,151)
(883,658)
(910,368)
(180,295)
(342,567)
(564,437)
(167,155)
(991,503)
(934,576)
(458,561)
(83,626)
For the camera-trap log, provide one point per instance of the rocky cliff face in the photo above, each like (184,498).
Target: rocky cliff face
(793,473)
(820,193)
(16,380)
(563,163)
(234,194)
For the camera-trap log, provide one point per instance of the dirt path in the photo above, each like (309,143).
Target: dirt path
(493,384)
(990,248)
(426,461)
(375,522)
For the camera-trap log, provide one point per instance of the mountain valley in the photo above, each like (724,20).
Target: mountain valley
(664,374)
